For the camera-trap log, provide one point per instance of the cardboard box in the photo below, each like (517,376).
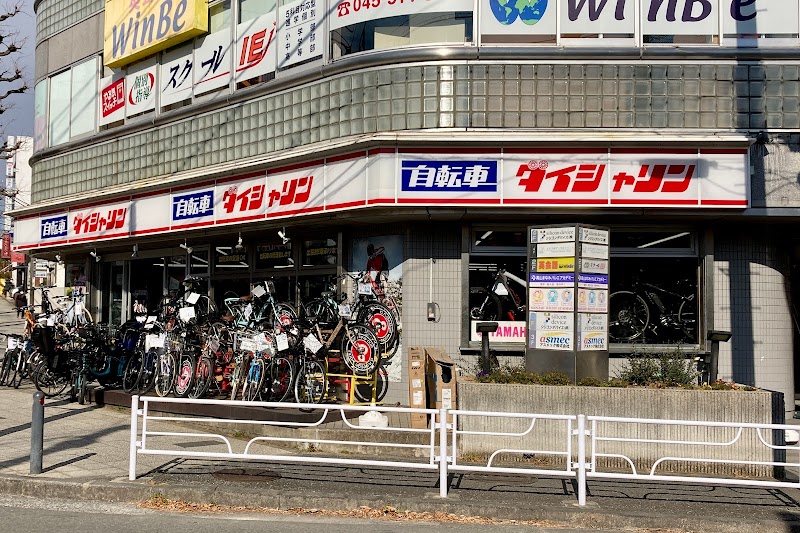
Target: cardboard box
(416,386)
(440,374)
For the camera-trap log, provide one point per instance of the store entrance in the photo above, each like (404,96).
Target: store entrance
(147,283)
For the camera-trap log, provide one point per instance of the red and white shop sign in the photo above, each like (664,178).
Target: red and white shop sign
(255,47)
(664,179)
(347,12)
(241,199)
(296,190)
(112,100)
(557,178)
(140,88)
(212,62)
(99,222)
(351,170)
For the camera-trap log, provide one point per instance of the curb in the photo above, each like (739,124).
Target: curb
(592,516)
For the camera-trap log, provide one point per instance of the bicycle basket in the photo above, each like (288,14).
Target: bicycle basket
(43,338)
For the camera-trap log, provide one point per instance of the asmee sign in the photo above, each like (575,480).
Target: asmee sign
(138,28)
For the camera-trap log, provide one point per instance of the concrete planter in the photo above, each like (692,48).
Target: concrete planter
(669,404)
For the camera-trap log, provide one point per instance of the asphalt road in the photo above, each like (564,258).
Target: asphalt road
(29,515)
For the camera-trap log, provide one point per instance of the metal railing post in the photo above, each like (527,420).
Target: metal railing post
(134,434)
(443,453)
(582,460)
(37,433)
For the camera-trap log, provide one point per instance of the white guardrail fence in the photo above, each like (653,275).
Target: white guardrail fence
(576,444)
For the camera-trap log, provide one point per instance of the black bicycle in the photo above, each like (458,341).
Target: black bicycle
(665,314)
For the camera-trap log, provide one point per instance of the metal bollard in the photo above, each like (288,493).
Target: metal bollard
(37,432)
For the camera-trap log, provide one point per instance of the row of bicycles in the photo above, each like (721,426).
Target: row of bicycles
(256,348)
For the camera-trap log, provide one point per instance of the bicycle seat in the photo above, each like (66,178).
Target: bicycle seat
(326,294)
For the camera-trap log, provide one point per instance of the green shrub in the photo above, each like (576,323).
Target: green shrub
(665,369)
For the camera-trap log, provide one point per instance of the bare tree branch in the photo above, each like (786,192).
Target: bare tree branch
(12,77)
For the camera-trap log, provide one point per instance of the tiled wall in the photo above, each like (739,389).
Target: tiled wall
(395,98)
(752,300)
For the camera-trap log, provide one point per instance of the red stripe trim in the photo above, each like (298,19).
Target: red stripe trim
(243,177)
(29,246)
(556,151)
(151,193)
(724,151)
(221,74)
(55,212)
(194,225)
(346,157)
(376,151)
(296,212)
(554,201)
(298,166)
(242,219)
(151,230)
(742,203)
(194,186)
(653,202)
(100,237)
(653,151)
(344,205)
(27,217)
(95,204)
(435,201)
(493,151)
(380,201)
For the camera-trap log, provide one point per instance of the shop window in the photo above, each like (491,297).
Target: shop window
(72,102)
(198,265)
(404,30)
(176,271)
(250,9)
(219,15)
(320,252)
(58,125)
(274,256)
(227,259)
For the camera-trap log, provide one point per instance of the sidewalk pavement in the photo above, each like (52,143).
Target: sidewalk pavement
(86,457)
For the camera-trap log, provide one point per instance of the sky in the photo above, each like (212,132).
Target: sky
(19,119)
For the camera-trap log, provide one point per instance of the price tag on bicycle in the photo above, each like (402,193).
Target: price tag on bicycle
(282,341)
(51,321)
(12,343)
(192,298)
(78,310)
(264,344)
(248,311)
(312,344)
(248,345)
(364,288)
(154,341)
(186,313)
(150,322)
(258,291)
(344,311)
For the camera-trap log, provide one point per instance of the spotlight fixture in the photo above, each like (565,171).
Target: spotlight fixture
(135,250)
(239,246)
(59,260)
(186,247)
(96,256)
(282,235)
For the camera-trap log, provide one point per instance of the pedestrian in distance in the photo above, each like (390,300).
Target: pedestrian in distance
(21,302)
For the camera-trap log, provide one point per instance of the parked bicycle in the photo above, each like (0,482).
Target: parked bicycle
(498,300)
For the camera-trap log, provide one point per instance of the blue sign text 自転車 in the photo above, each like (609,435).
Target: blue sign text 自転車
(193,205)
(54,227)
(477,176)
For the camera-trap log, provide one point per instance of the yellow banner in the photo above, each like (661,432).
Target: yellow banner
(555,264)
(138,28)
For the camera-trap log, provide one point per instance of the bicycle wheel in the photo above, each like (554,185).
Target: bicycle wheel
(251,390)
(278,379)
(165,377)
(204,309)
(147,377)
(82,388)
(628,316)
(286,313)
(4,370)
(687,320)
(50,383)
(22,366)
(13,363)
(202,378)
(360,349)
(318,310)
(490,308)
(381,320)
(311,383)
(73,381)
(184,379)
(130,374)
(363,390)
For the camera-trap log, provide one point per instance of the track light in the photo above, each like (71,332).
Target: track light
(239,246)
(186,247)
(282,235)
(96,256)
(135,250)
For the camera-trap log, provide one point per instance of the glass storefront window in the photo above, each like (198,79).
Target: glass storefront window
(228,260)
(320,252)
(250,9)
(274,256)
(58,125)
(176,271)
(84,97)
(219,16)
(199,263)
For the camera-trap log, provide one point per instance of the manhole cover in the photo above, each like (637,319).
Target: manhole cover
(249,475)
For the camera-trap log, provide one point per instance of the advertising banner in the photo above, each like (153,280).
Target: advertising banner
(137,29)
(592,331)
(551,280)
(452,179)
(112,99)
(348,12)
(242,198)
(562,178)
(103,221)
(592,300)
(295,190)
(507,331)
(301,35)
(176,75)
(140,85)
(553,299)
(193,207)
(212,62)
(256,53)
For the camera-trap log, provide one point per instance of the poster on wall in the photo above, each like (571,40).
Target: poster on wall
(300,32)
(140,84)
(112,99)
(176,75)
(255,47)
(380,259)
